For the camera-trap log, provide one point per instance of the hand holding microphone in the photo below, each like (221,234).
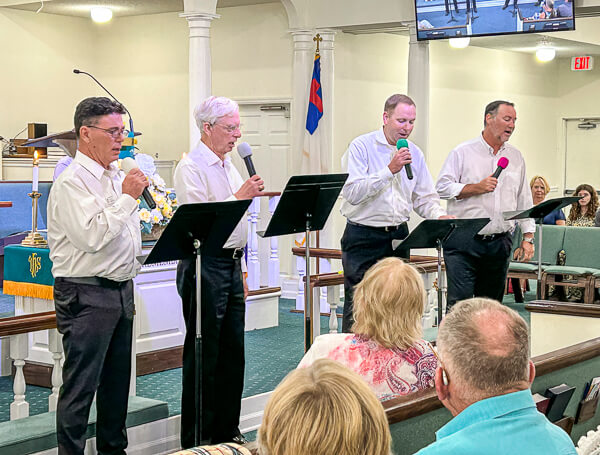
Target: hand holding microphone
(135,182)
(254,185)
(488,184)
(401,159)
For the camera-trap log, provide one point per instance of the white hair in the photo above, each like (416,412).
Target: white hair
(212,109)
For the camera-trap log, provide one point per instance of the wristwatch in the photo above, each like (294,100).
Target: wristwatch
(528,240)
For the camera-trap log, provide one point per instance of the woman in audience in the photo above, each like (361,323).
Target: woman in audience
(386,348)
(324,409)
(583,212)
(539,190)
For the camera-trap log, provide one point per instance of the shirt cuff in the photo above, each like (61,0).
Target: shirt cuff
(455,189)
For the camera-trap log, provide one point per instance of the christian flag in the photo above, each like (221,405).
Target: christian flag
(315,100)
(311,152)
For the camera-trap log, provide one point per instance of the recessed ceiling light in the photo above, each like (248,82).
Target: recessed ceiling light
(545,52)
(459,43)
(101,14)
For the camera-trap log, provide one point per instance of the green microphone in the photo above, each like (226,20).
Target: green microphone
(403,143)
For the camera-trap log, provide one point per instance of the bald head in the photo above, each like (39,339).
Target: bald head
(485,348)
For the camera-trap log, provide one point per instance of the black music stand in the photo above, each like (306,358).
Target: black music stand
(433,234)
(197,229)
(538,212)
(305,205)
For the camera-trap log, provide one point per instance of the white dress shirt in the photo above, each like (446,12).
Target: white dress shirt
(93,228)
(201,176)
(473,161)
(373,196)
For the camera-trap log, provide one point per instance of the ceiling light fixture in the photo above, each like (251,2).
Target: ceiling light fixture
(545,51)
(101,14)
(459,43)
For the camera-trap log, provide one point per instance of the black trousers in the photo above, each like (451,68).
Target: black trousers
(474,2)
(223,318)
(455,5)
(506,2)
(476,268)
(96,323)
(363,246)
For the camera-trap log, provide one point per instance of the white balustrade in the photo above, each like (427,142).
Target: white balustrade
(253,279)
(56,348)
(254,258)
(333,299)
(274,265)
(19,349)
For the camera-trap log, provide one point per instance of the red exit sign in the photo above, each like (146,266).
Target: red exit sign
(584,63)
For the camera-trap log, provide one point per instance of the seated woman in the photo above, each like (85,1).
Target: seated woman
(539,190)
(324,409)
(583,212)
(386,348)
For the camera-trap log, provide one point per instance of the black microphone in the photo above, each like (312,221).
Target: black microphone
(245,153)
(128,164)
(502,163)
(76,71)
(403,143)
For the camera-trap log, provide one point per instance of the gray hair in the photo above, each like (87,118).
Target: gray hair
(484,364)
(212,109)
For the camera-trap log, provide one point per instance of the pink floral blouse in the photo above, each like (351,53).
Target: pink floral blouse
(389,372)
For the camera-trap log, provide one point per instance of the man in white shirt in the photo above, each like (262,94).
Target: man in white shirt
(378,196)
(206,174)
(477,266)
(94,238)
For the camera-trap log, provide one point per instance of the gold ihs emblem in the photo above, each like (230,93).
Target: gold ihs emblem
(35,264)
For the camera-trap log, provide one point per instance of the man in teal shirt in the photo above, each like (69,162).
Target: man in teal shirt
(483,379)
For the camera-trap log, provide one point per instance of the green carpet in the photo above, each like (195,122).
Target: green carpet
(270,355)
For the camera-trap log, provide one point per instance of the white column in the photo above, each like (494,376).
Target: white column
(327,88)
(418,87)
(304,51)
(199,64)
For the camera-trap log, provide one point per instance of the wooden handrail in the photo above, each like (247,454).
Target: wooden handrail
(567,309)
(415,404)
(27,323)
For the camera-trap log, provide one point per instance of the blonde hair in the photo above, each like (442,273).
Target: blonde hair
(544,181)
(389,303)
(324,409)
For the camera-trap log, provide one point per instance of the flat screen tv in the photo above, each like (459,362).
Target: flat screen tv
(441,19)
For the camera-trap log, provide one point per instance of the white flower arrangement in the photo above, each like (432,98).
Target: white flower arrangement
(166,200)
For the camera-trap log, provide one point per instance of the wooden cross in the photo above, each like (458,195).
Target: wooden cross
(318,39)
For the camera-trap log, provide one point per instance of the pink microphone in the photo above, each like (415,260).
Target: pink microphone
(502,163)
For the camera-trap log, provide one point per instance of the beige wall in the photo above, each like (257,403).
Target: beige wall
(37,57)
(144,62)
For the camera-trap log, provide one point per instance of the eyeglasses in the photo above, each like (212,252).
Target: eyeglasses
(229,128)
(116,133)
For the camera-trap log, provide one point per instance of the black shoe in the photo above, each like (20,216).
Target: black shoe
(447,12)
(239,439)
(475,10)
(505,6)
(456,9)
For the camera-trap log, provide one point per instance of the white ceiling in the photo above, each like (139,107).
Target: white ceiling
(81,8)
(518,43)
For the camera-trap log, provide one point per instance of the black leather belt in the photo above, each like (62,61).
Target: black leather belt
(379,228)
(94,281)
(491,237)
(229,253)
